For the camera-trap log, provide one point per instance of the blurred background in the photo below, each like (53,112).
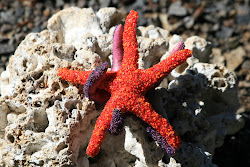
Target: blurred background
(225,23)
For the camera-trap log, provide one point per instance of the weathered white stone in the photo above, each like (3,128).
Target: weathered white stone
(153,32)
(201,52)
(201,48)
(67,26)
(150,51)
(45,121)
(108,17)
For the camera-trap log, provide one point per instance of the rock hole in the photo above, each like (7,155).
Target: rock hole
(44,52)
(51,103)
(41,85)
(216,67)
(132,162)
(166,159)
(41,163)
(11,138)
(41,121)
(216,75)
(227,75)
(55,51)
(138,32)
(61,146)
(34,40)
(220,83)
(37,75)
(65,83)
(55,86)
(29,99)
(58,97)
(63,92)
(72,105)
(25,63)
(32,92)
(37,104)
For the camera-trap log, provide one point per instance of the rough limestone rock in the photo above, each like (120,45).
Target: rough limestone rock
(201,48)
(46,121)
(201,52)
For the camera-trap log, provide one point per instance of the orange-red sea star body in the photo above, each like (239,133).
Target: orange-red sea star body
(128,87)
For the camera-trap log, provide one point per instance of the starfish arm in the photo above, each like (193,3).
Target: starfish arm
(80,77)
(130,45)
(117,48)
(156,73)
(99,132)
(144,110)
(94,80)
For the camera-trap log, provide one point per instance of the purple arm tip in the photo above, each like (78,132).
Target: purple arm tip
(161,141)
(94,80)
(116,123)
(179,46)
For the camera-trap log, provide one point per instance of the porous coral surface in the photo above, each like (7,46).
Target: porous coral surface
(48,121)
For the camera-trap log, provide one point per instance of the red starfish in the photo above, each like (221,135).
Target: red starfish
(128,87)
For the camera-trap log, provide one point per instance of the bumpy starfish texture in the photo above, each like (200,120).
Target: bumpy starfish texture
(161,141)
(128,86)
(116,123)
(93,81)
